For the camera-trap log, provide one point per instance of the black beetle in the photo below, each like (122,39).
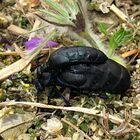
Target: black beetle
(82,69)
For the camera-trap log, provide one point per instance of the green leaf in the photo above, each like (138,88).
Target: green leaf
(118,38)
(61,14)
(83,126)
(103,28)
(57,7)
(57,18)
(71,7)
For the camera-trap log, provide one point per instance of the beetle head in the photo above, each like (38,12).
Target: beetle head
(43,78)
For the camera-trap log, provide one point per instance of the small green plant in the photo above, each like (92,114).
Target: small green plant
(73,14)
(117,38)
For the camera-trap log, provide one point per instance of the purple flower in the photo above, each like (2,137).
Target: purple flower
(8,47)
(33,43)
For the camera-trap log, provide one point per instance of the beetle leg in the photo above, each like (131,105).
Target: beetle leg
(59,93)
(38,85)
(51,93)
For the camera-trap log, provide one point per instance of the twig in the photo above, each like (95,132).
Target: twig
(92,111)
(121,15)
(36,26)
(19,51)
(17,30)
(129,53)
(77,129)
(9,53)
(22,32)
(135,14)
(13,53)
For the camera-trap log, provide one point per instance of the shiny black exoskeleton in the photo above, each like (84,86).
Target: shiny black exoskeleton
(82,69)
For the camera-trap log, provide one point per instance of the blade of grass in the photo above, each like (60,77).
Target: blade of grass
(103,28)
(93,39)
(72,8)
(57,18)
(57,7)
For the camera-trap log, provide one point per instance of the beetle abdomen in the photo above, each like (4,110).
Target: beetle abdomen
(109,77)
(118,79)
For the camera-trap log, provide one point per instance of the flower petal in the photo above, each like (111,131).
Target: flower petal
(33,43)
